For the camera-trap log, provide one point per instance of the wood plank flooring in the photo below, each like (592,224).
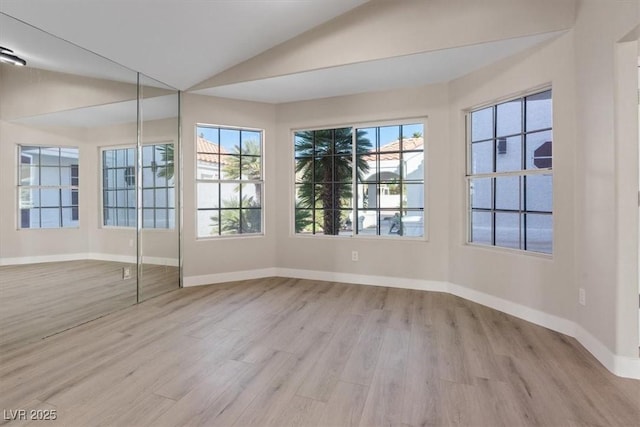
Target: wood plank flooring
(42,299)
(287,352)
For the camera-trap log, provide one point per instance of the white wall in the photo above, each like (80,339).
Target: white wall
(205,258)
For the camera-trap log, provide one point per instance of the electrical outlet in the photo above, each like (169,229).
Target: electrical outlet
(126,273)
(354,255)
(582,296)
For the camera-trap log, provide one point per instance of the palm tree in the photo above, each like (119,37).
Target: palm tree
(324,165)
(243,218)
(251,167)
(166,155)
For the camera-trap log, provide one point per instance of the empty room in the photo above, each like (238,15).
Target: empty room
(320,213)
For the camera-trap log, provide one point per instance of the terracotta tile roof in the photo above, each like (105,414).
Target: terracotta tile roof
(208,151)
(387,151)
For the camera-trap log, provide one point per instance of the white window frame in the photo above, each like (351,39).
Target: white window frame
(19,186)
(422,120)
(516,173)
(134,187)
(239,181)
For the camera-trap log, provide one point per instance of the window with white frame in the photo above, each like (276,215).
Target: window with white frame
(382,196)
(119,186)
(48,187)
(229,181)
(509,174)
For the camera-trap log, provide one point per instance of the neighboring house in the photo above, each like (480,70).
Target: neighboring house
(380,192)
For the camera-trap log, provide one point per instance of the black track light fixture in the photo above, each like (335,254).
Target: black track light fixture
(6,55)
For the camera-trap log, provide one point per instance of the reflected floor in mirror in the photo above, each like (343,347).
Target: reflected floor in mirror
(39,300)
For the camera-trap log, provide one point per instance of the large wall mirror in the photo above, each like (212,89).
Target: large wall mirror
(89,218)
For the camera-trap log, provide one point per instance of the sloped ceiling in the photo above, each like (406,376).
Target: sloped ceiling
(176,42)
(289,50)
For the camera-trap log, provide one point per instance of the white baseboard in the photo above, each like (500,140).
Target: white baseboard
(42,258)
(618,365)
(363,279)
(128,259)
(209,279)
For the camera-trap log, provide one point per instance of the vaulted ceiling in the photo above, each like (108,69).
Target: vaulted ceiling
(284,50)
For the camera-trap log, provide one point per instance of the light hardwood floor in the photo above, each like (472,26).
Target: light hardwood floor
(285,352)
(42,299)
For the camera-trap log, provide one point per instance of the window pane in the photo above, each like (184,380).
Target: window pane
(367,140)
(109,217)
(413,223)
(480,193)
(148,218)
(208,195)
(509,154)
(482,124)
(67,218)
(539,150)
(131,198)
(50,156)
(121,158)
(303,221)
(147,155)
(304,144)
(413,163)
(413,195)
(161,198)
(108,158)
(251,143)
(539,193)
(229,141)
(131,219)
(367,222)
(30,155)
(508,193)
(481,228)
(367,168)
(343,141)
(251,221)
(50,197)
(251,168)
(208,223)
(29,218)
(508,230)
(509,118)
(539,233)
(230,195)
(229,167)
(67,197)
(131,157)
(172,218)
(251,194)
(148,177)
(539,111)
(389,138)
(29,175)
(413,131)
(482,157)
(230,221)
(207,133)
(147,198)
(50,217)
(49,175)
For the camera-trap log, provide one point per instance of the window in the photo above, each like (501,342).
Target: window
(229,181)
(48,187)
(383,196)
(509,174)
(119,187)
